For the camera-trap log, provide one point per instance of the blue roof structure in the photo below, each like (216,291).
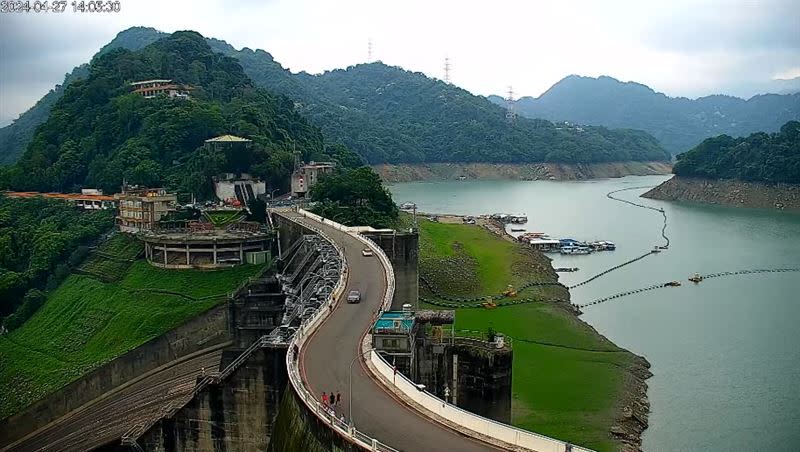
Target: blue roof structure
(393,321)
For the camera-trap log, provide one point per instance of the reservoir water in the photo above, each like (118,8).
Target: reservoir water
(726,352)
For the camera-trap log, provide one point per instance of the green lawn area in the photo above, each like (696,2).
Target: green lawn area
(468,260)
(566,377)
(85,323)
(223,217)
(124,247)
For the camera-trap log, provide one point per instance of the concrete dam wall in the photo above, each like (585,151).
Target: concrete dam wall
(237,414)
(202,332)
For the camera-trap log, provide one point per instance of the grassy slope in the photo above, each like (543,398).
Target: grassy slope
(567,390)
(86,323)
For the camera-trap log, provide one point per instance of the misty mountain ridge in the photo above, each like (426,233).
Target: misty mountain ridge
(388,114)
(679,123)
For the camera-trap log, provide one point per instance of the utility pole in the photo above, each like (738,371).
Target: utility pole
(447,70)
(369,51)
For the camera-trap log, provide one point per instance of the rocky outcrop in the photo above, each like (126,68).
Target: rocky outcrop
(633,408)
(395,173)
(729,192)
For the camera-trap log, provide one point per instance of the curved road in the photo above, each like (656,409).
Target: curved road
(326,358)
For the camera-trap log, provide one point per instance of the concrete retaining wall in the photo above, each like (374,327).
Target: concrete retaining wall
(402,249)
(299,430)
(203,331)
(237,414)
(482,383)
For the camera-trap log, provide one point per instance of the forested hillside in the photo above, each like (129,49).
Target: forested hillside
(760,157)
(40,241)
(677,122)
(387,114)
(15,137)
(100,133)
(397,116)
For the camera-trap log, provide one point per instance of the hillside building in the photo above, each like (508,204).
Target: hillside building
(152,88)
(141,208)
(88,199)
(306,176)
(238,190)
(228,142)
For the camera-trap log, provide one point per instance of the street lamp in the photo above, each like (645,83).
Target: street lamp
(272,194)
(350,398)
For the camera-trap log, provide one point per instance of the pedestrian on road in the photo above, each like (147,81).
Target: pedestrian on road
(338,398)
(325,399)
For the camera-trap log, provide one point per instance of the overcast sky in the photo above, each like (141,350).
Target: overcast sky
(679,47)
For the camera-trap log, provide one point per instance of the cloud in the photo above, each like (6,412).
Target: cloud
(787,74)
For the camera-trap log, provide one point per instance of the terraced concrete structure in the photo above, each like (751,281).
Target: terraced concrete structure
(216,248)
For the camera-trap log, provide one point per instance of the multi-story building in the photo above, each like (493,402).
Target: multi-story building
(305,176)
(140,208)
(152,88)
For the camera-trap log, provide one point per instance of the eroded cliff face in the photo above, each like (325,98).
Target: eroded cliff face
(391,173)
(729,192)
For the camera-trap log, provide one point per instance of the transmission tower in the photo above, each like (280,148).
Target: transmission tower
(447,70)
(369,51)
(511,115)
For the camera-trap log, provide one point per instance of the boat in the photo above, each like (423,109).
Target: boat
(672,284)
(602,245)
(656,250)
(575,250)
(566,269)
(696,278)
(517,229)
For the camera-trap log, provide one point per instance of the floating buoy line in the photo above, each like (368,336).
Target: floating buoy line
(499,300)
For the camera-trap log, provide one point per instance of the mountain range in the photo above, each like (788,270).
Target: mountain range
(677,122)
(387,114)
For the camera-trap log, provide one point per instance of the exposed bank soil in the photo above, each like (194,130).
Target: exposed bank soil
(395,173)
(633,406)
(729,193)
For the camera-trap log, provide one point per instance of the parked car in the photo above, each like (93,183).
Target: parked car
(354,296)
(366,252)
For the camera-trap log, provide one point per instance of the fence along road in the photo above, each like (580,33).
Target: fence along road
(326,356)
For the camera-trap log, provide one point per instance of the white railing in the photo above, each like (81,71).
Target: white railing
(307,327)
(471,424)
(474,423)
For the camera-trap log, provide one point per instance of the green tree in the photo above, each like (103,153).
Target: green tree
(760,157)
(354,197)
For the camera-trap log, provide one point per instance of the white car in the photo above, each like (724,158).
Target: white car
(366,252)
(354,296)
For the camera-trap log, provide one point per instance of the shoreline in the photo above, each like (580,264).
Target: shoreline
(781,197)
(633,407)
(398,173)
(632,404)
